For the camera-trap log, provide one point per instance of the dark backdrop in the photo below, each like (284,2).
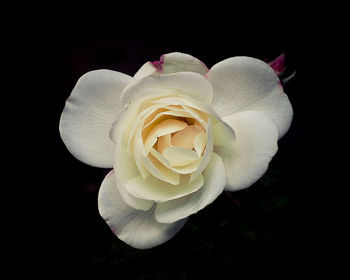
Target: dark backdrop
(274,228)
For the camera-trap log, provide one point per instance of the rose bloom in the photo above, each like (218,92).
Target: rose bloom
(176,135)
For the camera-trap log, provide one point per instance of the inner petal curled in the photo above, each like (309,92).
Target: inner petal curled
(165,127)
(173,139)
(185,137)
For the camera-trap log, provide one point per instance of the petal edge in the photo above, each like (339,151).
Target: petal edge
(88,116)
(138,229)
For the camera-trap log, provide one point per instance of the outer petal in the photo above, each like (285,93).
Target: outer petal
(247,158)
(88,116)
(154,189)
(137,228)
(127,170)
(172,63)
(180,83)
(214,184)
(277,106)
(125,163)
(245,83)
(223,134)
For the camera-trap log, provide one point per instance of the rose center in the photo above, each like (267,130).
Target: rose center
(176,136)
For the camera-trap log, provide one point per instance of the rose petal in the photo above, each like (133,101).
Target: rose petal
(163,142)
(127,170)
(185,137)
(167,175)
(247,158)
(184,101)
(143,163)
(176,62)
(146,70)
(165,127)
(165,114)
(200,142)
(214,183)
(125,164)
(140,155)
(178,156)
(88,116)
(245,83)
(277,106)
(223,134)
(186,169)
(240,81)
(146,164)
(171,63)
(208,151)
(137,228)
(199,112)
(185,83)
(278,64)
(140,121)
(159,191)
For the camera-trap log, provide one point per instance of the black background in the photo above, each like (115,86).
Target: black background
(278,227)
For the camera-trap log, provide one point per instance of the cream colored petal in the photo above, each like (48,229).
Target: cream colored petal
(186,169)
(125,164)
(199,125)
(200,142)
(187,83)
(208,151)
(137,228)
(140,119)
(201,116)
(145,164)
(172,63)
(127,169)
(140,152)
(150,117)
(167,175)
(174,108)
(183,101)
(185,137)
(223,134)
(160,158)
(189,168)
(166,114)
(163,142)
(214,184)
(178,156)
(176,61)
(165,127)
(145,70)
(135,114)
(159,191)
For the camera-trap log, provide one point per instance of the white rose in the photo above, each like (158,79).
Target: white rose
(176,135)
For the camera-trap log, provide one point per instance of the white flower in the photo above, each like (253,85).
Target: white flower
(176,135)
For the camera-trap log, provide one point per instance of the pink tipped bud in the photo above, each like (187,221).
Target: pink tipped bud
(278,64)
